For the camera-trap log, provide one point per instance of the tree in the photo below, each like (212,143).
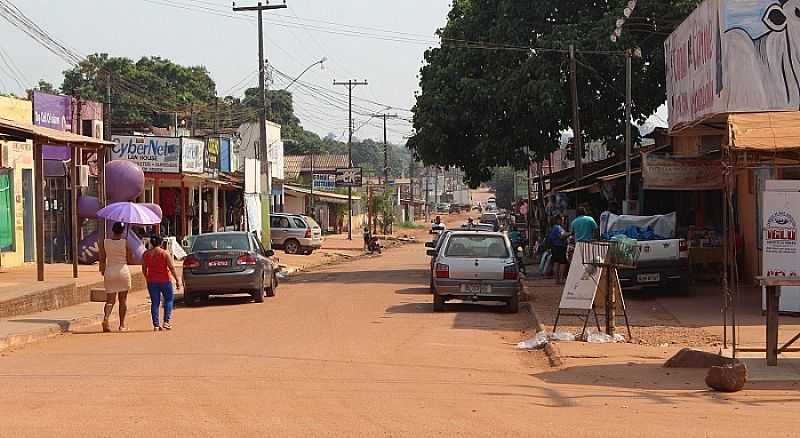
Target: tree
(45,87)
(483,105)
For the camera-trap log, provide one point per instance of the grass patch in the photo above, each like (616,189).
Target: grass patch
(411,226)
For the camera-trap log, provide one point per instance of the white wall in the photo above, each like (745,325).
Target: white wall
(250,141)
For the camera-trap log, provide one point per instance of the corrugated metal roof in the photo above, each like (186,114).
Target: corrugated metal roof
(294,165)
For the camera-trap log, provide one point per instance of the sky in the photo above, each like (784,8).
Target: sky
(208,33)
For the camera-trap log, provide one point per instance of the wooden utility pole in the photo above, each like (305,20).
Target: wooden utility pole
(627,207)
(576,123)
(350,84)
(385,166)
(263,148)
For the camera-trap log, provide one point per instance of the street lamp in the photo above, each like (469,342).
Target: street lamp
(321,62)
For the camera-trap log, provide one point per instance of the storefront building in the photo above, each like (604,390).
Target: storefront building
(17,221)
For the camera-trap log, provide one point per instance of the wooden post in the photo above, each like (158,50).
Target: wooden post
(773,298)
(611,307)
(215,210)
(101,195)
(38,175)
(74,207)
(157,198)
(184,205)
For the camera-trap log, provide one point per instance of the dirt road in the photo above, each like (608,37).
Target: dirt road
(354,350)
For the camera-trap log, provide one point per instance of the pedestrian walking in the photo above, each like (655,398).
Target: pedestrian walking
(115,256)
(157,266)
(367,238)
(557,241)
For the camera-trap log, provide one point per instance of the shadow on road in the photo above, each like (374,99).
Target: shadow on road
(414,291)
(400,276)
(481,316)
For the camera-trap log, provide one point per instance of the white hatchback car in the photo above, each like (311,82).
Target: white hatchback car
(476,266)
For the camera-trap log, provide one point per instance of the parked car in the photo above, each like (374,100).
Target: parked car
(443,208)
(475,266)
(228,263)
(435,245)
(295,233)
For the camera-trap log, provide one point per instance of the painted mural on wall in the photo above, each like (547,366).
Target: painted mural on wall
(734,56)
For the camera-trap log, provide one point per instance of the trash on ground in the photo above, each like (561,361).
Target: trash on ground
(537,341)
(562,336)
(281,275)
(593,337)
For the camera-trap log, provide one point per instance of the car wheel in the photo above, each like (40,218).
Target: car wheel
(258,294)
(273,287)
(291,246)
(683,287)
(432,287)
(189,300)
(513,304)
(438,303)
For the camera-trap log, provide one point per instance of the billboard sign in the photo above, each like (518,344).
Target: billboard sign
(192,156)
(733,56)
(152,154)
(324,182)
(54,112)
(349,177)
(212,154)
(225,154)
(662,172)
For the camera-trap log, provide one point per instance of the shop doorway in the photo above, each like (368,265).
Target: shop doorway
(27,215)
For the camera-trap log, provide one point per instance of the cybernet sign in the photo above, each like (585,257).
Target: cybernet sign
(152,154)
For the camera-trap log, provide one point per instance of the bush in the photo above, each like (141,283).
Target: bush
(411,225)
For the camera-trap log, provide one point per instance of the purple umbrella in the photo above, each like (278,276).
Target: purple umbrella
(129,213)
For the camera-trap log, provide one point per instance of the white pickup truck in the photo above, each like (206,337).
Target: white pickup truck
(664,260)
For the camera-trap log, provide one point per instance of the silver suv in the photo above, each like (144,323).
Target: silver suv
(295,233)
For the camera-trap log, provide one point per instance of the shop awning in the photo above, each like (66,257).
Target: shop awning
(46,135)
(771,131)
(333,197)
(576,189)
(619,175)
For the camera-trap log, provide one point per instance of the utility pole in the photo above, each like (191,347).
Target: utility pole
(385,164)
(266,182)
(576,123)
(350,84)
(627,207)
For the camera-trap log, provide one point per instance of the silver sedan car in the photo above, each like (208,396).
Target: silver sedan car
(476,266)
(228,263)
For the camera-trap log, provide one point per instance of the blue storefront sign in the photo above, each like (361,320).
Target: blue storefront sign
(224,154)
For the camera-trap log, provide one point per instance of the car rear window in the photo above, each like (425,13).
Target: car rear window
(299,223)
(489,218)
(477,246)
(221,242)
(311,222)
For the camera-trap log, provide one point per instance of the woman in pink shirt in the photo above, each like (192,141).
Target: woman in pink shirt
(157,267)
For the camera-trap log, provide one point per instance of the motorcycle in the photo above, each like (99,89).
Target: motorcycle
(374,245)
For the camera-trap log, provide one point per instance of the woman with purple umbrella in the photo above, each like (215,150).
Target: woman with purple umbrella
(115,256)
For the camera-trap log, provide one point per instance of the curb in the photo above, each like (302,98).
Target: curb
(553,355)
(81,323)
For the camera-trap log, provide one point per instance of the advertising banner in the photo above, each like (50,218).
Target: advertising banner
(54,112)
(152,154)
(780,215)
(324,182)
(212,154)
(192,155)
(349,177)
(733,56)
(661,172)
(225,154)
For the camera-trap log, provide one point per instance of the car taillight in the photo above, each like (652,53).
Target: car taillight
(308,233)
(442,271)
(511,273)
(683,246)
(191,262)
(246,260)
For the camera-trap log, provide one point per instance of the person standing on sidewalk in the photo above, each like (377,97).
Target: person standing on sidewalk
(115,256)
(157,266)
(583,227)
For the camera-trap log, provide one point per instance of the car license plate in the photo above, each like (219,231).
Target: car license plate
(648,278)
(217,263)
(476,288)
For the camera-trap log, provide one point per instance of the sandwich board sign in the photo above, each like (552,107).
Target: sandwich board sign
(580,288)
(349,177)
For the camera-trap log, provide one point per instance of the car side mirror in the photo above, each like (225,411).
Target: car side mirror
(269,253)
(431,252)
(429,245)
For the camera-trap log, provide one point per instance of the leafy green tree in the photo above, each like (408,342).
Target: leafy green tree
(45,87)
(483,105)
